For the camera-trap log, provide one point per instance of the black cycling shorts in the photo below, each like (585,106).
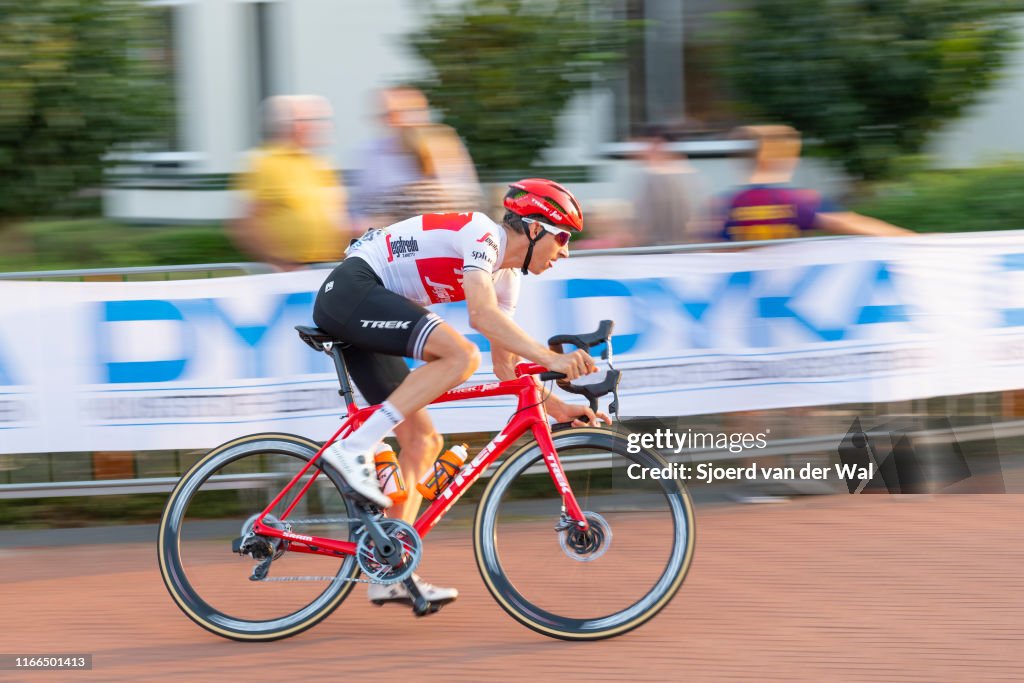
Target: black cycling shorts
(378,326)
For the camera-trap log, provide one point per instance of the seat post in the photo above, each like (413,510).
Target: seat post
(339,367)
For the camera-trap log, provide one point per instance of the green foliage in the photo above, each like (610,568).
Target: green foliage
(869,79)
(97,243)
(505,69)
(77,512)
(953,201)
(75,80)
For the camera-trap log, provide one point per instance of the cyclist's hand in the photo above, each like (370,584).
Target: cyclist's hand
(573,365)
(581,416)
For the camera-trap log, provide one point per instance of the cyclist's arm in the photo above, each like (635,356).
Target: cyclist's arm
(504,362)
(487,318)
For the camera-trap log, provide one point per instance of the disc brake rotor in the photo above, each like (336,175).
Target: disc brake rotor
(587,545)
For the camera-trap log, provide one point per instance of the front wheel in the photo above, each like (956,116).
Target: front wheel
(217,501)
(584,585)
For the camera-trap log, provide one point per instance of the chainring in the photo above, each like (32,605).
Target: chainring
(382,572)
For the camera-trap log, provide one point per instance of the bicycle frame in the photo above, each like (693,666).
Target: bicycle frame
(529,415)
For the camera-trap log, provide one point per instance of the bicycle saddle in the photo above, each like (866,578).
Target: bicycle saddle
(316,338)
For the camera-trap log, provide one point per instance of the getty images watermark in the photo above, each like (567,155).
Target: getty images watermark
(898,455)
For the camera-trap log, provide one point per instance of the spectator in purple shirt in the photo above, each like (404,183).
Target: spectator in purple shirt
(769,208)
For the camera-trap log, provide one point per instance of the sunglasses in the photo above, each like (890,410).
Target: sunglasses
(561,236)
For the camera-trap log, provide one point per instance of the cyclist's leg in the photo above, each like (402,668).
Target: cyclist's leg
(450,358)
(354,306)
(421,444)
(377,375)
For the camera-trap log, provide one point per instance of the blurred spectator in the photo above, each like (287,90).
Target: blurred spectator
(294,205)
(671,196)
(768,207)
(605,221)
(416,167)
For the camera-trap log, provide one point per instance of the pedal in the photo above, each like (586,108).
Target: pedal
(421,607)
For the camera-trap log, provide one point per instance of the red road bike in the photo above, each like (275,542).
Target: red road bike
(543,528)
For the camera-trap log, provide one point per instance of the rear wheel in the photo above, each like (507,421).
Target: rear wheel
(217,501)
(583,585)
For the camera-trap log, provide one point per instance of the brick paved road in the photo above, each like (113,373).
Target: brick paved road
(840,588)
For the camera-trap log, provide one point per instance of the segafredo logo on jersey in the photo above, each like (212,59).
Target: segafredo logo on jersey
(387,324)
(443,292)
(489,241)
(400,247)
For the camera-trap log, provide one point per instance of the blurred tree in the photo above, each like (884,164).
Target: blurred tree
(503,70)
(75,80)
(869,79)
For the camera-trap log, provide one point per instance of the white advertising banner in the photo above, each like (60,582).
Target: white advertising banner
(190,364)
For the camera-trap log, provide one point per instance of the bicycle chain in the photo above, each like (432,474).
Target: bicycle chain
(333,579)
(321,520)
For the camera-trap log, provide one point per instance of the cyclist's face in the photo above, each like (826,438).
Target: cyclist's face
(547,251)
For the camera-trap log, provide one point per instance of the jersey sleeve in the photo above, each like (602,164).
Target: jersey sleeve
(506,289)
(480,246)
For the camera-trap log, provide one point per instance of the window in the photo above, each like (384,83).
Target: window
(261,53)
(671,77)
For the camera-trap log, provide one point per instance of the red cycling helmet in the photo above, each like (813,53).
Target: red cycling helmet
(533,196)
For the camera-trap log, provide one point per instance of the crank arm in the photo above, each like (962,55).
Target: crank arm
(388,550)
(420,605)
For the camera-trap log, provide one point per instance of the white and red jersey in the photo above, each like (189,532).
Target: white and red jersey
(423,258)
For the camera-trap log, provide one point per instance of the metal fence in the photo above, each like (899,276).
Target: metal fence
(143,273)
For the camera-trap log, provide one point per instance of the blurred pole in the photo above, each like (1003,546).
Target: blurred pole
(663,60)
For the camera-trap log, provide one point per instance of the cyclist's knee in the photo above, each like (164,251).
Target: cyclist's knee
(445,344)
(455,348)
(471,359)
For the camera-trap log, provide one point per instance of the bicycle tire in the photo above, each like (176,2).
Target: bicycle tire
(568,628)
(176,578)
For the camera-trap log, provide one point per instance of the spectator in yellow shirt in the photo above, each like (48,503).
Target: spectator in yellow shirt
(294,206)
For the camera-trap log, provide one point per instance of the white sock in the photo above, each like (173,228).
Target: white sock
(374,429)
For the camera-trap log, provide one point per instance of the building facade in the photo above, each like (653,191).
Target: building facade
(226,56)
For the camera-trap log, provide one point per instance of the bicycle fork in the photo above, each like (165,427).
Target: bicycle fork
(570,508)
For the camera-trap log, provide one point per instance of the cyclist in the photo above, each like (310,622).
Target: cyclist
(374,301)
